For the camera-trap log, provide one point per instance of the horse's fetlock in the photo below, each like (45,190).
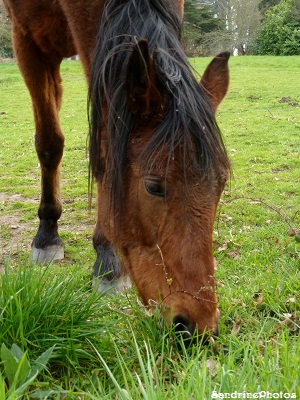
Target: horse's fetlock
(50,212)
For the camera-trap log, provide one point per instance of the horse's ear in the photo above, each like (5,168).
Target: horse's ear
(215,80)
(142,91)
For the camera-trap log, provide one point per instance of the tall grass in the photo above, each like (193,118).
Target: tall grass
(41,308)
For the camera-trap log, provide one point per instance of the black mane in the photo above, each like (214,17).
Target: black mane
(189,119)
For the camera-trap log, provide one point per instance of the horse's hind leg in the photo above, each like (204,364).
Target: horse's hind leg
(41,75)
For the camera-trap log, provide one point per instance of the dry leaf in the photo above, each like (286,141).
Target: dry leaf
(291,300)
(287,315)
(236,327)
(239,302)
(261,347)
(259,297)
(226,217)
(212,366)
(223,247)
(216,263)
(175,377)
(291,322)
(234,254)
(158,361)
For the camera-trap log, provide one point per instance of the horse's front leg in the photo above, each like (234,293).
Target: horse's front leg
(49,144)
(41,75)
(47,245)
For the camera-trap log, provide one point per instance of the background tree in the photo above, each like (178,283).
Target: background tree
(199,19)
(241,24)
(265,5)
(6,50)
(280,30)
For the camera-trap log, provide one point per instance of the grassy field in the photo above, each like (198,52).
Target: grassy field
(61,340)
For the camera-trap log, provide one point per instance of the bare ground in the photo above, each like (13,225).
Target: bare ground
(16,235)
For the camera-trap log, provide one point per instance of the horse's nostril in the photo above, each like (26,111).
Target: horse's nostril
(185,329)
(184,326)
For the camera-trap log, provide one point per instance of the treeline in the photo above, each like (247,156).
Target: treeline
(241,26)
(6,50)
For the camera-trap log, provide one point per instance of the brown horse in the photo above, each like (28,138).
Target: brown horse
(155,149)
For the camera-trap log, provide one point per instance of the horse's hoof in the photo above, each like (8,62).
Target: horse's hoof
(107,287)
(48,254)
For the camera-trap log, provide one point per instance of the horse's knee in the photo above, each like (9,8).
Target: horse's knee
(49,150)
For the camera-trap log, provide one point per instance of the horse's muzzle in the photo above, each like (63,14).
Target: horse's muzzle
(185,329)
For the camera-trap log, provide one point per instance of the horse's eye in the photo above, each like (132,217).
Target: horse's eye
(156,188)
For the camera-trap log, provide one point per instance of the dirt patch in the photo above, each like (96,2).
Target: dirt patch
(16,234)
(13,198)
(289,101)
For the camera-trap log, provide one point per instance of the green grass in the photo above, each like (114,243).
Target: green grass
(111,348)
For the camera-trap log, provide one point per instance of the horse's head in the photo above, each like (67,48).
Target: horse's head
(173,176)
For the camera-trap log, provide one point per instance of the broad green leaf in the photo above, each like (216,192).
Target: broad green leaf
(2,387)
(22,371)
(10,364)
(26,375)
(40,363)
(16,351)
